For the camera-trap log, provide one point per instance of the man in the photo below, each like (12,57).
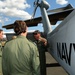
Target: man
(42,47)
(1,37)
(20,56)
(1,34)
(40,41)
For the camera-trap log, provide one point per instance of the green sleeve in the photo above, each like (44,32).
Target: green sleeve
(4,65)
(36,62)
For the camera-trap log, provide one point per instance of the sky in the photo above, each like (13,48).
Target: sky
(11,10)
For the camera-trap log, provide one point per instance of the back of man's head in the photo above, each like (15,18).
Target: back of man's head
(19,27)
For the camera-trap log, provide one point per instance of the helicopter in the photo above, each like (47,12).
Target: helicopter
(62,39)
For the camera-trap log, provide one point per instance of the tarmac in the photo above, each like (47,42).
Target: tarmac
(53,68)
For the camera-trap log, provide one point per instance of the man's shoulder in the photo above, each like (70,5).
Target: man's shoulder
(32,43)
(9,42)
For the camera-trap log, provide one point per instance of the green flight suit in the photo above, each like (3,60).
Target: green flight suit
(0,58)
(20,57)
(0,49)
(42,49)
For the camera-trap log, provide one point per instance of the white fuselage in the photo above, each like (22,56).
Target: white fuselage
(62,43)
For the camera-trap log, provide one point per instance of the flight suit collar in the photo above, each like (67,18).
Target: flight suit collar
(20,36)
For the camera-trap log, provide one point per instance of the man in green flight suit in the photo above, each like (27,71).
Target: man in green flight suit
(20,56)
(1,37)
(42,47)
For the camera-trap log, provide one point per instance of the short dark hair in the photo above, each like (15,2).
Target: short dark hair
(19,27)
(36,32)
(1,30)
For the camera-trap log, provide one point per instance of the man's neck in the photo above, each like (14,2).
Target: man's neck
(23,34)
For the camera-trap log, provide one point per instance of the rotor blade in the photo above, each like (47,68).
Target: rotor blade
(37,1)
(61,9)
(34,12)
(36,5)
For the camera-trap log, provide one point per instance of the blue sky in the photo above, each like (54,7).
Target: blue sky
(11,10)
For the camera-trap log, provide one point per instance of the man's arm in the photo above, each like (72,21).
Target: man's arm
(4,64)
(36,62)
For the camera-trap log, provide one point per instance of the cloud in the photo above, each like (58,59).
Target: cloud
(2,20)
(15,8)
(6,19)
(61,2)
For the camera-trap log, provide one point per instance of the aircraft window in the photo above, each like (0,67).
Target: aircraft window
(54,26)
